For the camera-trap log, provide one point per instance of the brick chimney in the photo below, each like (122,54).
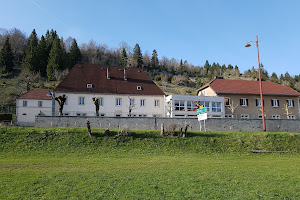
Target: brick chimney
(107,73)
(125,74)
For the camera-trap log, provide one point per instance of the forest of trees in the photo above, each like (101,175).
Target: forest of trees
(51,57)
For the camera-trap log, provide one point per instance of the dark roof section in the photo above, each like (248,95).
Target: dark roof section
(82,74)
(39,94)
(225,86)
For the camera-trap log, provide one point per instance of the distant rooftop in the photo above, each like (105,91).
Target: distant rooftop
(91,78)
(225,86)
(39,94)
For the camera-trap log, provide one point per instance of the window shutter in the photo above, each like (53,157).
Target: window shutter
(241,102)
(293,103)
(246,102)
(278,103)
(263,103)
(272,102)
(256,102)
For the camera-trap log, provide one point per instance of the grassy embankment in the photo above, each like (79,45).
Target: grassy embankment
(61,163)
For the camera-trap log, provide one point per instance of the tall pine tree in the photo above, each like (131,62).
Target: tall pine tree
(31,60)
(6,58)
(55,61)
(137,55)
(154,59)
(123,60)
(74,55)
(43,55)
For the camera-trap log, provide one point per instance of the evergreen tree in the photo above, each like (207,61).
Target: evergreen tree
(137,55)
(74,54)
(6,57)
(123,60)
(43,55)
(274,78)
(181,67)
(154,59)
(31,60)
(55,61)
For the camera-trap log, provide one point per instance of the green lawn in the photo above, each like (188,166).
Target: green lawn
(142,168)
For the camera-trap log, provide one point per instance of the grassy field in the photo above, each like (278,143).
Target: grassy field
(39,163)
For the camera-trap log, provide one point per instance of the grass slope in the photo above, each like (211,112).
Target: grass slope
(61,163)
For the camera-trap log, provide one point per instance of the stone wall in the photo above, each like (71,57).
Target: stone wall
(155,123)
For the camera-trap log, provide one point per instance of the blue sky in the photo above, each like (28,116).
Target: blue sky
(215,30)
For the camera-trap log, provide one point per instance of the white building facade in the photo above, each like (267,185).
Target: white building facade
(112,105)
(32,103)
(184,106)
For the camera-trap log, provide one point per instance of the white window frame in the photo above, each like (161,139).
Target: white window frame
(290,103)
(25,103)
(118,101)
(139,88)
(156,103)
(228,116)
(244,100)
(275,103)
(143,102)
(205,104)
(276,117)
(258,102)
(100,101)
(40,104)
(244,116)
(89,85)
(179,105)
(216,106)
(292,117)
(81,100)
(131,102)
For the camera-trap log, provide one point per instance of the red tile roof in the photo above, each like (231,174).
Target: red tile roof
(225,86)
(82,74)
(39,94)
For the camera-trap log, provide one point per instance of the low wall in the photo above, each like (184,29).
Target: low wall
(155,123)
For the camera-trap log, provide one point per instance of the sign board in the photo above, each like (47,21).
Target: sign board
(202,116)
(201,110)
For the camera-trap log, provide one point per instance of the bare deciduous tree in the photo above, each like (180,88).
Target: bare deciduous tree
(131,105)
(232,107)
(286,108)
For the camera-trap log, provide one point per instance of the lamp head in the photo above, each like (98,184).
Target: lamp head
(49,94)
(248,45)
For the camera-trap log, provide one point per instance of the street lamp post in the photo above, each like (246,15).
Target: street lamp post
(260,84)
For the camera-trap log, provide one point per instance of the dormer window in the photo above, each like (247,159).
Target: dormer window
(139,87)
(89,85)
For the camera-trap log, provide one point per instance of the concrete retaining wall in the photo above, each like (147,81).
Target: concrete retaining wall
(155,123)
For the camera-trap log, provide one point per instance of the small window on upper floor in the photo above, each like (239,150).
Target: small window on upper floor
(139,88)
(89,85)
(40,103)
(244,102)
(275,102)
(24,103)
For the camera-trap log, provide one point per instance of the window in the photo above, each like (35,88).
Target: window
(179,105)
(275,116)
(244,102)
(40,103)
(227,101)
(244,116)
(275,102)
(142,115)
(100,101)
(139,87)
(81,100)
(290,103)
(143,101)
(89,85)
(258,102)
(24,103)
(131,102)
(216,106)
(291,117)
(191,106)
(205,104)
(228,116)
(118,102)
(156,103)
